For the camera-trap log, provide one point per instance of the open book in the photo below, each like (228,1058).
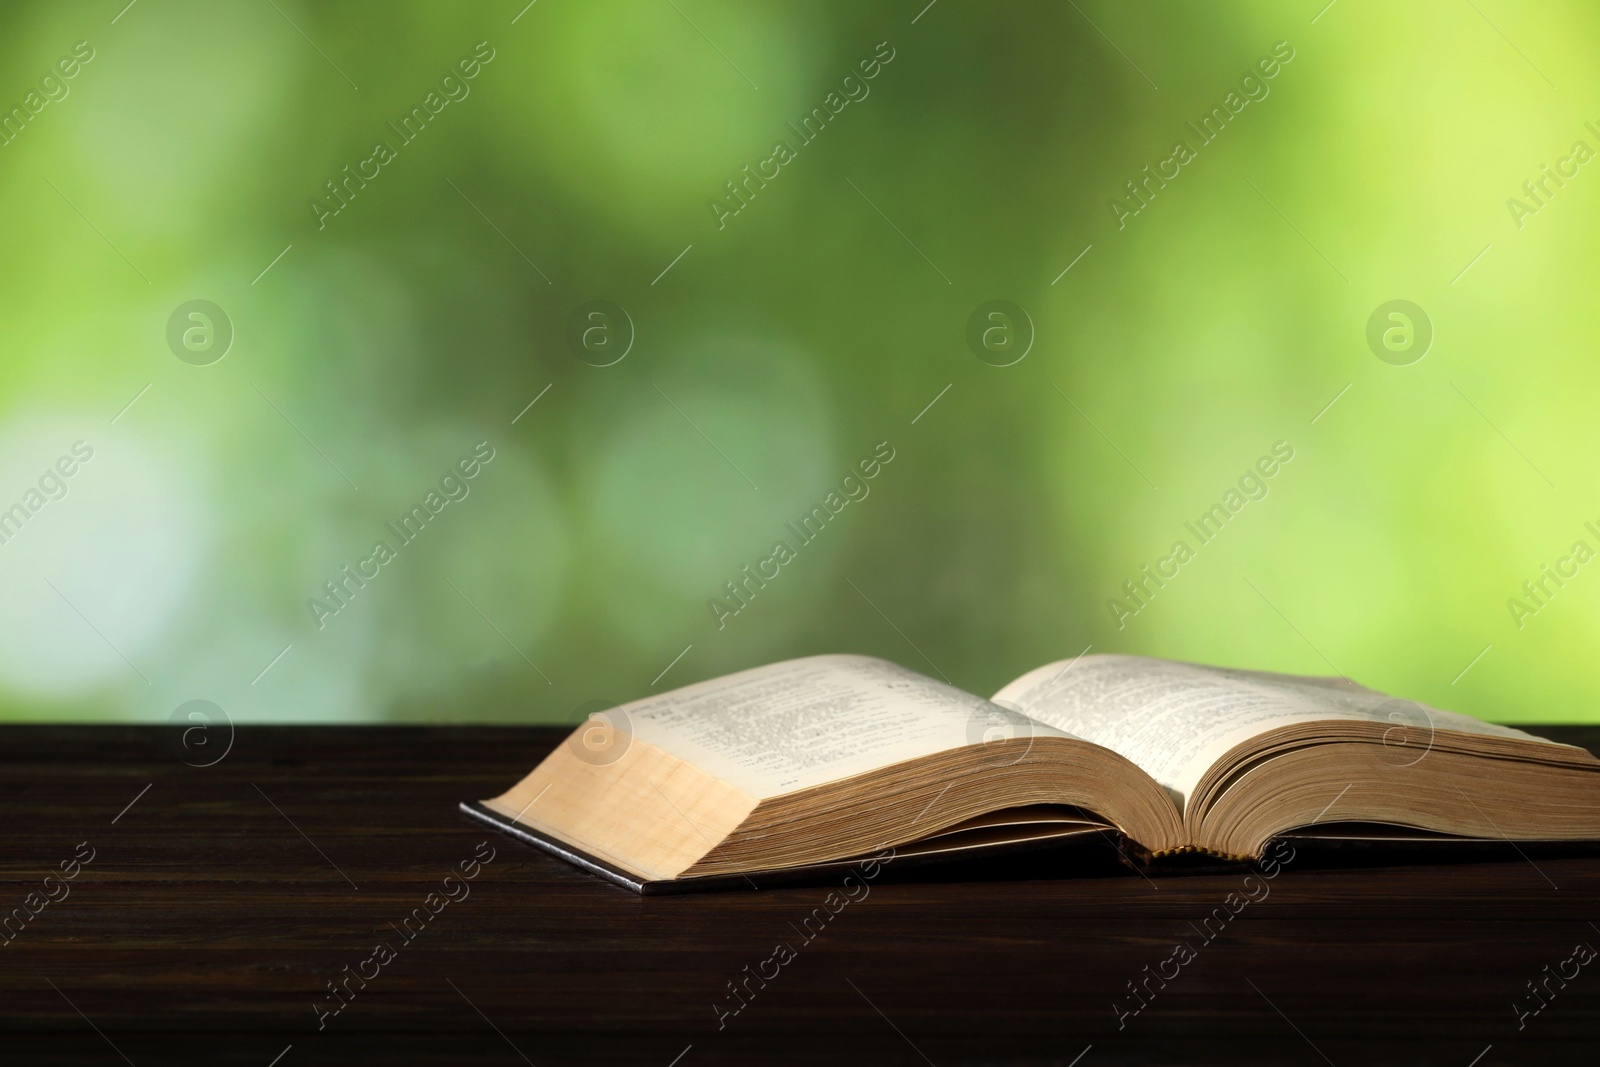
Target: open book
(822,761)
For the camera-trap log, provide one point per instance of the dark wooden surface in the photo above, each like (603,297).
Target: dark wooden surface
(209,921)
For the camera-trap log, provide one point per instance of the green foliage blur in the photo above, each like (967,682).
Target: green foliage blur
(781,331)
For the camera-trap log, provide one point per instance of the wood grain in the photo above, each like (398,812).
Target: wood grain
(209,921)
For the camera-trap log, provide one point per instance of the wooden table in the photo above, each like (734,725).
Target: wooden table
(220,902)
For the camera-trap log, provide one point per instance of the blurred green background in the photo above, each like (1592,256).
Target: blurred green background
(784,343)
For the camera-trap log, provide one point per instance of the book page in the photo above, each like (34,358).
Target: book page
(804,722)
(1175,719)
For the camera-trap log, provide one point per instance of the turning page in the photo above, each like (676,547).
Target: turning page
(1176,719)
